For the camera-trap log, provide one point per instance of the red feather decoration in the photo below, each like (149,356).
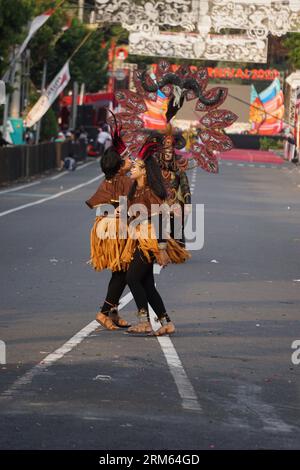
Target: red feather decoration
(148,149)
(116,138)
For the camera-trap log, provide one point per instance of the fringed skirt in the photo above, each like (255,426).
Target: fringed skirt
(148,244)
(106,246)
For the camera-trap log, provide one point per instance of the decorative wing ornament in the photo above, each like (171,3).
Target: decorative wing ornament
(158,98)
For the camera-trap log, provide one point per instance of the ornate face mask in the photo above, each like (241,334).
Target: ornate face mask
(167,153)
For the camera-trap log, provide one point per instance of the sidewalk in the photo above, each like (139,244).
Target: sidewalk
(252,156)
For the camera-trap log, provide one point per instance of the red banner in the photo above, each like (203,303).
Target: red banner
(244,74)
(230,73)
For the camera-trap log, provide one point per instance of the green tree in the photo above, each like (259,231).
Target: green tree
(292,43)
(51,43)
(49,127)
(14,17)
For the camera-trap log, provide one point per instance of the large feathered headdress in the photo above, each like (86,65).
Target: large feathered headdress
(173,88)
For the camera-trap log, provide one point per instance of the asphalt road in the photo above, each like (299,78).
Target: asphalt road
(224,381)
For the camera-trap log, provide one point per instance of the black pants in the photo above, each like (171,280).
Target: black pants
(140,280)
(115,289)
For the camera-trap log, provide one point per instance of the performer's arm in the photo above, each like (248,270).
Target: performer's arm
(185,188)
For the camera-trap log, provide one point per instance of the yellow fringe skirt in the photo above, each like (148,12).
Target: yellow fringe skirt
(106,246)
(149,247)
(108,251)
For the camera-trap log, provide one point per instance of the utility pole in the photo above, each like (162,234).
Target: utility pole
(25,80)
(43,87)
(16,95)
(74,105)
(80,10)
(81,94)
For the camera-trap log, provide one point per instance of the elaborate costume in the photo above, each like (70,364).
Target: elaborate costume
(106,245)
(138,254)
(146,243)
(168,89)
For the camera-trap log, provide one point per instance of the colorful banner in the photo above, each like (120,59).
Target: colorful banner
(49,96)
(267,110)
(155,117)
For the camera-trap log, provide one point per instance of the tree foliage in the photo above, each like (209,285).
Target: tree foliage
(51,43)
(292,43)
(14,16)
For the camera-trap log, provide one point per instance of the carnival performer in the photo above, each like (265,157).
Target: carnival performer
(176,181)
(141,253)
(106,245)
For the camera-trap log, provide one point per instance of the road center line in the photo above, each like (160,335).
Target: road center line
(67,172)
(183,384)
(27,185)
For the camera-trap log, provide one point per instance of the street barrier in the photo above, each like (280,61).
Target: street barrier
(23,161)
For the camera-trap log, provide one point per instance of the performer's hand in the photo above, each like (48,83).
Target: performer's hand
(187,209)
(177,211)
(163,258)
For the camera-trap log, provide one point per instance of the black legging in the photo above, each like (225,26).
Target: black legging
(140,280)
(115,289)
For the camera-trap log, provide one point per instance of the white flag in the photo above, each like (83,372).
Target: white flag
(49,96)
(35,25)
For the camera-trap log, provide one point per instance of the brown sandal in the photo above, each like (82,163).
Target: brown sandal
(142,327)
(118,321)
(106,322)
(166,329)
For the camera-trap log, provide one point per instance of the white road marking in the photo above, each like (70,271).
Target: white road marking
(56,177)
(59,353)
(66,172)
(184,386)
(248,399)
(28,185)
(49,198)
(85,165)
(31,194)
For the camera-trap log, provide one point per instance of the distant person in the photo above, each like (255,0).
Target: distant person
(29,137)
(290,148)
(70,163)
(83,142)
(60,137)
(69,136)
(103,140)
(108,142)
